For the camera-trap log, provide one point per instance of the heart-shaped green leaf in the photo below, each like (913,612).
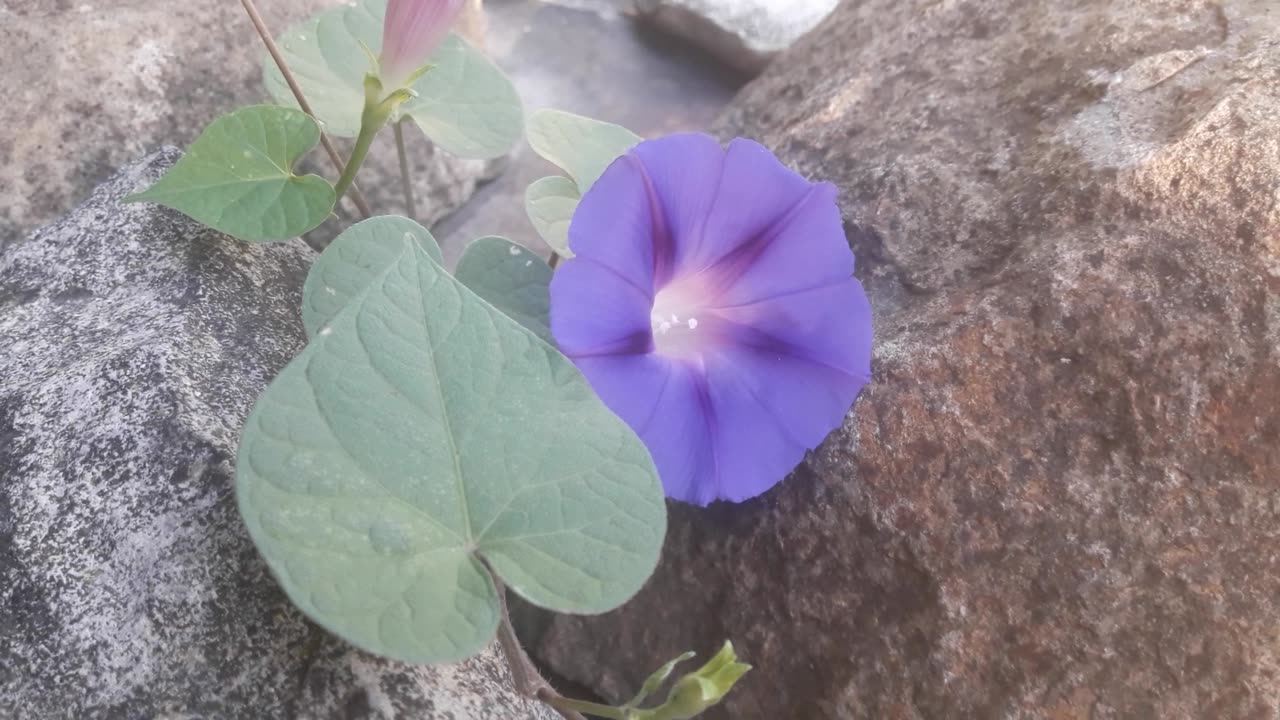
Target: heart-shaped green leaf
(237,177)
(421,435)
(581,146)
(550,203)
(353,260)
(464,103)
(512,279)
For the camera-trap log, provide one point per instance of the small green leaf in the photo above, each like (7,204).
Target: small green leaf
(581,146)
(422,434)
(550,203)
(512,279)
(465,103)
(353,260)
(237,177)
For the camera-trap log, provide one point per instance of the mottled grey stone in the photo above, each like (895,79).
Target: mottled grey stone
(747,34)
(91,84)
(132,344)
(1059,497)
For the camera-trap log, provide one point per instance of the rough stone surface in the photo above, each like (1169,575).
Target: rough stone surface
(1060,497)
(747,34)
(91,84)
(134,343)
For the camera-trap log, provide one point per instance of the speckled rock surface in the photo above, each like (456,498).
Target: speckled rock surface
(91,84)
(1060,497)
(747,34)
(133,345)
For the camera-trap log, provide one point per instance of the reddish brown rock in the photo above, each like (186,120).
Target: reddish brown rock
(1060,497)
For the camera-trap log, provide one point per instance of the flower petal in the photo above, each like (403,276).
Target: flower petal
(596,311)
(614,223)
(828,325)
(754,445)
(662,402)
(780,376)
(629,385)
(806,248)
(683,172)
(755,193)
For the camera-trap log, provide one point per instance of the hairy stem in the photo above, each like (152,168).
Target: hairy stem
(406,173)
(261,26)
(528,681)
(522,671)
(564,704)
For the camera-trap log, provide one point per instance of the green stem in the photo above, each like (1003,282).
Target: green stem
(260,25)
(377,111)
(582,706)
(406,172)
(368,131)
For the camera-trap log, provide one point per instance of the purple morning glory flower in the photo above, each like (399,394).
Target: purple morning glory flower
(712,306)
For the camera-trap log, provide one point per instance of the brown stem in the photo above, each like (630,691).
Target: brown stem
(406,174)
(528,681)
(261,26)
(567,707)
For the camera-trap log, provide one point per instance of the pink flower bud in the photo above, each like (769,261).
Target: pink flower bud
(410,33)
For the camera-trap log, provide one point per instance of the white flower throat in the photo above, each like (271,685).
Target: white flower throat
(675,321)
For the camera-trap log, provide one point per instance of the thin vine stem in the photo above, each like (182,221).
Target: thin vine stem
(564,704)
(369,128)
(406,172)
(334,156)
(528,681)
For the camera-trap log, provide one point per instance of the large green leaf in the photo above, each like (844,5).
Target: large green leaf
(353,260)
(583,147)
(421,435)
(464,103)
(512,279)
(550,203)
(237,177)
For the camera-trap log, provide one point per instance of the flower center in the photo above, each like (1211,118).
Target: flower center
(678,329)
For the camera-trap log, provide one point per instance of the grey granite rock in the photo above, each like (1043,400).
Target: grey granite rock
(91,84)
(1060,496)
(132,345)
(747,34)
